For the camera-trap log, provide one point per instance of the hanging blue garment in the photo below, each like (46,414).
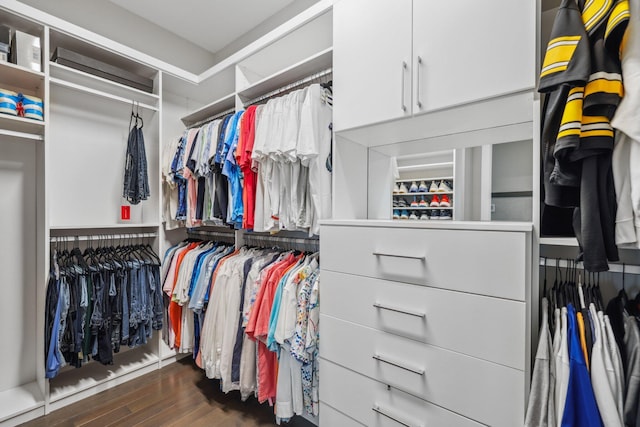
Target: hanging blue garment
(232,171)
(580,409)
(54,363)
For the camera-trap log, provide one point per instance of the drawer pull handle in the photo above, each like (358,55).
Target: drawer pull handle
(402,104)
(421,258)
(398,310)
(377,409)
(397,365)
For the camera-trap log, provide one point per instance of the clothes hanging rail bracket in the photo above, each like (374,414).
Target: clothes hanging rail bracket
(281,91)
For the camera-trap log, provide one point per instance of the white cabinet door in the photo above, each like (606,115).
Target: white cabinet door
(471,50)
(371,61)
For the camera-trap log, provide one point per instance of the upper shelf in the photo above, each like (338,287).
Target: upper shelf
(17,78)
(216,107)
(21,127)
(317,62)
(99,84)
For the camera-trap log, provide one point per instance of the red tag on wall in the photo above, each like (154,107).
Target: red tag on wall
(125,213)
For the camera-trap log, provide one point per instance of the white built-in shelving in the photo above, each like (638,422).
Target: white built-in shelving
(218,106)
(17,76)
(21,127)
(307,67)
(76,173)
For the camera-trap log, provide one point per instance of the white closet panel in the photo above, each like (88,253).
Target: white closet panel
(18,265)
(88,145)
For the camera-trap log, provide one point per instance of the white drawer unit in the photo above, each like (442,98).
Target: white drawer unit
(484,327)
(333,417)
(425,325)
(464,260)
(374,404)
(487,392)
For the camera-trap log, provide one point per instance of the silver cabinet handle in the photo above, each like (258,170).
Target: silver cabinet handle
(397,365)
(422,258)
(404,68)
(377,409)
(418,82)
(398,310)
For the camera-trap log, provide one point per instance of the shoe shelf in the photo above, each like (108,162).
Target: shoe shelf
(423,193)
(435,178)
(423,213)
(422,208)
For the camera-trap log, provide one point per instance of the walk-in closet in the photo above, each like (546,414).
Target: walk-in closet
(319,212)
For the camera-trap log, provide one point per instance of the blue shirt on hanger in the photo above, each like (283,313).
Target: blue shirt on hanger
(580,409)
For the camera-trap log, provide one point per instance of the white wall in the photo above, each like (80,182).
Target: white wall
(109,20)
(265,26)
(18,262)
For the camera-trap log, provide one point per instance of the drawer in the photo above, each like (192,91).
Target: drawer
(481,262)
(329,417)
(360,397)
(487,392)
(484,327)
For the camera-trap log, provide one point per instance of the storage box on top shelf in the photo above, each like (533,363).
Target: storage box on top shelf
(89,65)
(5,43)
(25,51)
(4,52)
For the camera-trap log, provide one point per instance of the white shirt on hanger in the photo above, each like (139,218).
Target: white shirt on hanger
(601,374)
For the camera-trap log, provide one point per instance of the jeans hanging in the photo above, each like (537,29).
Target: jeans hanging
(136,179)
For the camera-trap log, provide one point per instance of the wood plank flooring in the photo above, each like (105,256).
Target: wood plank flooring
(177,395)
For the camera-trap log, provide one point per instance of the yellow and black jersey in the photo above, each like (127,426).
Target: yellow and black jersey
(582,75)
(590,106)
(567,59)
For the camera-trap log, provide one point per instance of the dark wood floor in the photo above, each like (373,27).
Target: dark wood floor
(178,395)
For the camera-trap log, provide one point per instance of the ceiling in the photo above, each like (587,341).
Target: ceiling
(210,24)
(191,34)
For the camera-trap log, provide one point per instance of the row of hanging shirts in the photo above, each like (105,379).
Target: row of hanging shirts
(250,318)
(587,365)
(266,168)
(98,300)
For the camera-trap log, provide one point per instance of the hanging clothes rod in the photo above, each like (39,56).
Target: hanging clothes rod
(92,91)
(97,237)
(212,118)
(285,242)
(230,235)
(613,268)
(280,91)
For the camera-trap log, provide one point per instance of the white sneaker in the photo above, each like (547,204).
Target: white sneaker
(403,189)
(413,216)
(433,187)
(444,187)
(424,216)
(396,189)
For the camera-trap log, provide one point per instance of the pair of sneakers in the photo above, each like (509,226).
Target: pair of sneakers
(440,202)
(442,187)
(418,188)
(419,204)
(441,214)
(400,188)
(400,203)
(404,214)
